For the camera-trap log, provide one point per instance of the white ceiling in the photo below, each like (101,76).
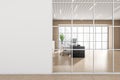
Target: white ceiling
(85,11)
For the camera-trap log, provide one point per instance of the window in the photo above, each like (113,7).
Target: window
(88,36)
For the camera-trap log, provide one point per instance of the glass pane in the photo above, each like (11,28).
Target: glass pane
(87,45)
(104,29)
(104,45)
(80,29)
(55,37)
(74,29)
(110,38)
(80,43)
(117,60)
(117,25)
(104,37)
(67,45)
(86,30)
(67,37)
(91,29)
(61,61)
(103,13)
(82,61)
(91,45)
(67,29)
(98,45)
(103,24)
(62,15)
(116,13)
(80,37)
(91,37)
(59,36)
(82,12)
(98,37)
(103,60)
(61,30)
(83,16)
(98,29)
(117,37)
(62,45)
(74,36)
(86,37)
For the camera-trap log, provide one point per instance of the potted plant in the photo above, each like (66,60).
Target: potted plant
(62,38)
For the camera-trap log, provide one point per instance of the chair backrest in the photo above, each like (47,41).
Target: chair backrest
(74,40)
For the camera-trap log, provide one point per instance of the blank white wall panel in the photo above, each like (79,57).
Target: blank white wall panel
(25,37)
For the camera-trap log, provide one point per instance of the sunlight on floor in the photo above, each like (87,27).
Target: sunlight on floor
(103,62)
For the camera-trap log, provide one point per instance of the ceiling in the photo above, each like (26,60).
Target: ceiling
(85,10)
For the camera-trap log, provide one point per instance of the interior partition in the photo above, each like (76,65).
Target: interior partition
(86,36)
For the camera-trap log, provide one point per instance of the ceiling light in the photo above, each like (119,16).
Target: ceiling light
(72,0)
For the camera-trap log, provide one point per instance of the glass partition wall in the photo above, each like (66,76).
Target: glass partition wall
(62,26)
(86,36)
(103,55)
(116,36)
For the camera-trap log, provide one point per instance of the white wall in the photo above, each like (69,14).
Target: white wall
(25,37)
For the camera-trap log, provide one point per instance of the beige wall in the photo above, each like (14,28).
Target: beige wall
(110,38)
(109,22)
(117,38)
(55,36)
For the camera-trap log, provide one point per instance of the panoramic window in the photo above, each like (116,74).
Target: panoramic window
(86,36)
